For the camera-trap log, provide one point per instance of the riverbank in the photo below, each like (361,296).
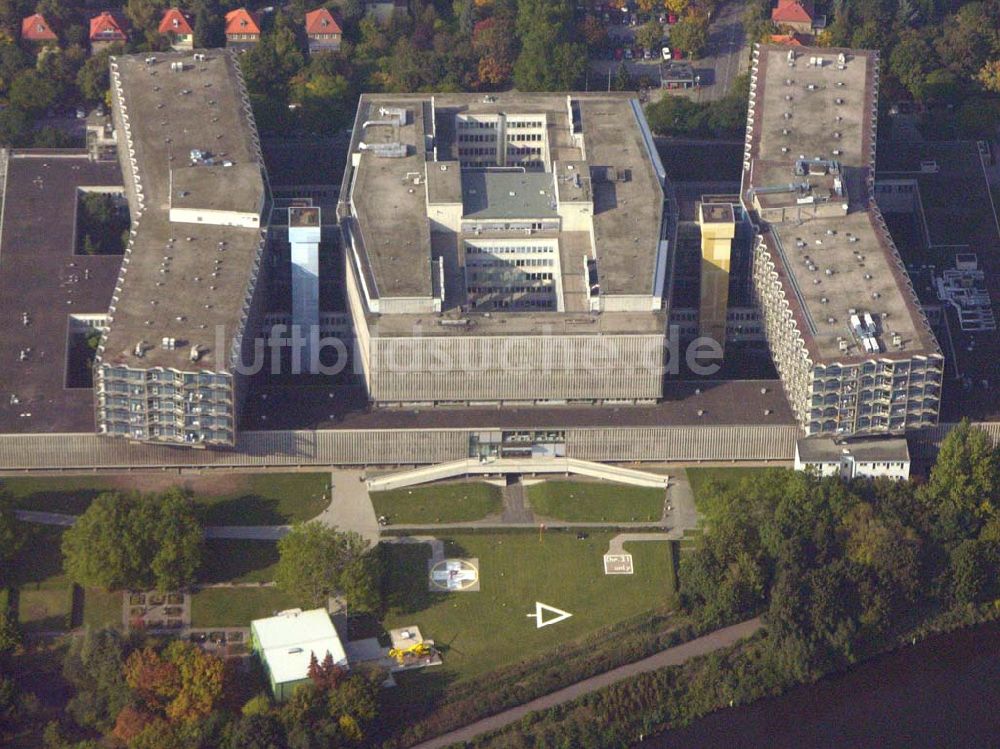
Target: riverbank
(940,692)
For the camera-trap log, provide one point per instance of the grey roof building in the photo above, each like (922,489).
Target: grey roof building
(505,249)
(167,366)
(855,352)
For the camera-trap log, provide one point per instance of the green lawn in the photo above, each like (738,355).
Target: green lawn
(43,609)
(226,499)
(481,631)
(236,607)
(446,502)
(238,561)
(44,599)
(596,501)
(102,609)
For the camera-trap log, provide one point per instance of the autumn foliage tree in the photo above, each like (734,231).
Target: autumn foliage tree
(492,41)
(181,682)
(326,675)
(131,722)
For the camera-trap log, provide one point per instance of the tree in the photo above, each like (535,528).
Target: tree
(622,81)
(129,541)
(93,665)
(690,33)
(910,61)
(313,558)
(201,681)
(209,26)
(962,490)
(257,731)
(989,76)
(93,80)
(975,564)
(677,7)
(967,39)
(326,675)
(154,680)
(649,35)
(32,93)
(493,42)
(131,721)
(10,634)
(11,537)
(550,58)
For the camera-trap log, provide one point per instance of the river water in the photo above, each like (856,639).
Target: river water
(942,692)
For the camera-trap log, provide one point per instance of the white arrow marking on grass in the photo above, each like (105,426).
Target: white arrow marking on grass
(540,622)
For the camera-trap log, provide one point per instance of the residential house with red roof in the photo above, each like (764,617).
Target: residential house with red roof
(106,29)
(176,25)
(242,28)
(794,15)
(323,31)
(36,30)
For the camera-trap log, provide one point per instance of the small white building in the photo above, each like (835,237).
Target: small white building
(856,459)
(287,642)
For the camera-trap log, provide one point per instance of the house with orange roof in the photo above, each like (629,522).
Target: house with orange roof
(794,15)
(176,25)
(36,30)
(323,31)
(107,28)
(242,28)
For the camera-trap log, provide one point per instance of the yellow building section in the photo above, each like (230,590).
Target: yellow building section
(718,227)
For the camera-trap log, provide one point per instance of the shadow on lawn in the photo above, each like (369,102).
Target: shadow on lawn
(73,502)
(405,580)
(248,509)
(225,560)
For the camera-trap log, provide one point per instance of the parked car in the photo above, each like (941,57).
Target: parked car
(647,54)
(678,55)
(619,53)
(671,19)
(666,52)
(628,53)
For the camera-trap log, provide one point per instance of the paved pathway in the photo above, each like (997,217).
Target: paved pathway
(670,657)
(351,508)
(515,505)
(45,518)
(617,543)
(682,515)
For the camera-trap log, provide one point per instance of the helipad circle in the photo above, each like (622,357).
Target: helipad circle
(453,574)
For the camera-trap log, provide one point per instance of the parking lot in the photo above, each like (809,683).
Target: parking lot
(725,57)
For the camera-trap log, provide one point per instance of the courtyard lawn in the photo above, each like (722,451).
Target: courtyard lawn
(225,499)
(238,561)
(446,502)
(45,598)
(481,631)
(237,607)
(44,609)
(596,501)
(101,609)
